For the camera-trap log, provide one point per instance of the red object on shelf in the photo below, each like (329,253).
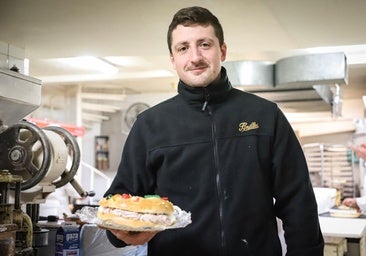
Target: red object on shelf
(75,130)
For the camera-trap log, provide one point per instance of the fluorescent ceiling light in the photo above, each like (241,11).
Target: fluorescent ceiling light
(100,107)
(103,96)
(89,63)
(105,77)
(127,61)
(94,117)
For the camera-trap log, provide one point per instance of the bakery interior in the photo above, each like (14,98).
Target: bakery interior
(74,75)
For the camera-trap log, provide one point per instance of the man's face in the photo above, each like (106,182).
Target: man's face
(196,54)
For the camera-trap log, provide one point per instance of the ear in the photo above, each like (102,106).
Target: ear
(172,60)
(223,51)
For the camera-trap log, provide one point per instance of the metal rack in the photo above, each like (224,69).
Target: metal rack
(331,165)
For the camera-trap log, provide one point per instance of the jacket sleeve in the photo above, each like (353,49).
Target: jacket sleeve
(361,202)
(295,202)
(132,176)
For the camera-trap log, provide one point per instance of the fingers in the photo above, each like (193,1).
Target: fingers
(348,202)
(351,202)
(360,151)
(133,237)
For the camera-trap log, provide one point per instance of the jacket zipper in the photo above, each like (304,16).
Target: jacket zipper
(217,165)
(206,95)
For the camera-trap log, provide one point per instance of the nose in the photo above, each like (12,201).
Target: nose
(196,54)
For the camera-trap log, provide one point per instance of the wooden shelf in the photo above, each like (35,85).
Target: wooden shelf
(102,152)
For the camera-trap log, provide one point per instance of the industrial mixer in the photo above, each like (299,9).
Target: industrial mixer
(34,162)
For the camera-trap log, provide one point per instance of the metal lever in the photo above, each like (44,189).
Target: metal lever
(80,190)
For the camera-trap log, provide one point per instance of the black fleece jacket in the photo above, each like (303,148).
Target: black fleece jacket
(233,161)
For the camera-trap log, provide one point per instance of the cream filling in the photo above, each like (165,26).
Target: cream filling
(160,219)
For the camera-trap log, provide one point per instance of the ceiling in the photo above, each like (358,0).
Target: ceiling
(261,30)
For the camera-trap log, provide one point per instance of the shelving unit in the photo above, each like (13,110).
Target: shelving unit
(330,165)
(102,152)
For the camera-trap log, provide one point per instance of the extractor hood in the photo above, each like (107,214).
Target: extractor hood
(293,81)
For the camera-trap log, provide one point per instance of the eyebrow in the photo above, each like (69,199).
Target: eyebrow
(199,41)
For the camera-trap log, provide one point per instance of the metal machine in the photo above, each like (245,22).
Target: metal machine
(33,163)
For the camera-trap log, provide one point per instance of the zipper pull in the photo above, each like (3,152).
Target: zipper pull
(204,105)
(207,96)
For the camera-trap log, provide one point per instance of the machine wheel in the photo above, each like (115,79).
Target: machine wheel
(74,152)
(18,144)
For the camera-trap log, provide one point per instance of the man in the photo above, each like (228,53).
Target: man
(222,154)
(358,203)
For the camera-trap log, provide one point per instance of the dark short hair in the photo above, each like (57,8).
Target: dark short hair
(195,15)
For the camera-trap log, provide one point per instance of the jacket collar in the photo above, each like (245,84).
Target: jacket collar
(211,93)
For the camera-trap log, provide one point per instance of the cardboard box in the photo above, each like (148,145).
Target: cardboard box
(68,239)
(335,246)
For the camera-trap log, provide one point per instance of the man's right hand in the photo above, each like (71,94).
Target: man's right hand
(133,237)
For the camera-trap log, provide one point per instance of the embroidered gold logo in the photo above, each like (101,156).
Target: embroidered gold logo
(243,127)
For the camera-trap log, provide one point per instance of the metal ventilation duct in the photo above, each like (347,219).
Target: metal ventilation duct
(254,75)
(294,79)
(309,70)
